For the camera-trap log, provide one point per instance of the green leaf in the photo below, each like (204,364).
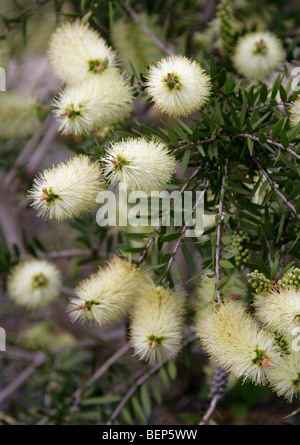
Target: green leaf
(185,160)
(156,390)
(104,400)
(146,400)
(172,369)
(164,378)
(226,264)
(278,127)
(138,411)
(276,86)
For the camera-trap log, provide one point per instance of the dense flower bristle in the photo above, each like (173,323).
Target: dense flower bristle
(139,164)
(77,52)
(67,190)
(257,55)
(178,85)
(156,327)
(235,341)
(34,283)
(109,294)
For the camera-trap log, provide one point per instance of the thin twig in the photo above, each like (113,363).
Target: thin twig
(256,107)
(289,149)
(272,184)
(143,254)
(145,29)
(183,230)
(218,241)
(142,379)
(21,379)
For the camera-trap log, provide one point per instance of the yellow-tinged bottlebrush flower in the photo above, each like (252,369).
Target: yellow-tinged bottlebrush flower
(156,327)
(139,164)
(285,378)
(109,294)
(257,55)
(235,341)
(178,85)
(295,112)
(77,52)
(19,116)
(95,103)
(279,309)
(34,283)
(68,189)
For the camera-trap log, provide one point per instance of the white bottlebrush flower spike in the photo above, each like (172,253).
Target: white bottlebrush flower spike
(235,341)
(279,310)
(156,327)
(34,283)
(68,189)
(295,112)
(178,85)
(109,294)
(139,164)
(93,104)
(257,55)
(77,52)
(19,116)
(285,378)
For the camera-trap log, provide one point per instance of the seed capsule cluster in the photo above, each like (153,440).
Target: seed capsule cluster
(259,282)
(240,241)
(292,279)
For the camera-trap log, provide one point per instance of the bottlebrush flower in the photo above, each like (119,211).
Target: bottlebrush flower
(279,309)
(19,116)
(295,112)
(34,283)
(77,52)
(178,85)
(109,294)
(285,378)
(156,327)
(257,55)
(82,108)
(139,164)
(236,342)
(67,190)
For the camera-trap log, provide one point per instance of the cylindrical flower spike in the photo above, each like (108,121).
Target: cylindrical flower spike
(34,283)
(108,295)
(178,85)
(235,341)
(77,52)
(156,327)
(257,55)
(139,164)
(285,378)
(67,190)
(82,108)
(295,112)
(279,309)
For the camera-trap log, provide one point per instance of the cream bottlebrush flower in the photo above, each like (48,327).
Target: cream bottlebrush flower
(139,164)
(109,294)
(295,112)
(257,55)
(156,327)
(95,103)
(77,52)
(279,309)
(285,378)
(178,85)
(67,190)
(19,116)
(235,341)
(34,283)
